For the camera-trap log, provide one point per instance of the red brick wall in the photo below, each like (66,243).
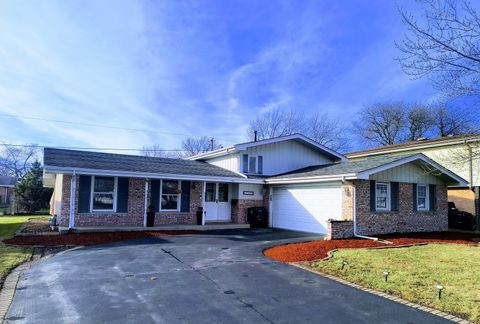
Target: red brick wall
(339,229)
(240,206)
(406,219)
(136,208)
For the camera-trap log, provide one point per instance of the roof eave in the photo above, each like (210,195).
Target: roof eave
(213,154)
(335,177)
(118,173)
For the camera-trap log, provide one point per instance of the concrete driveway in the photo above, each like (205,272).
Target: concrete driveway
(217,277)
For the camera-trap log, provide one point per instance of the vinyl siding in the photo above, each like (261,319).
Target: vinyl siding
(230,162)
(408,173)
(286,156)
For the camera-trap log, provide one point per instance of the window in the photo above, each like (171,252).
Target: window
(422,197)
(210,192)
(170,195)
(252,164)
(103,193)
(223,192)
(382,194)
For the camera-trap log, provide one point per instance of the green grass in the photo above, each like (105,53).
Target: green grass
(414,272)
(11,256)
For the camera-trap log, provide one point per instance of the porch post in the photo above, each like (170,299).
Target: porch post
(204,188)
(145,203)
(73,188)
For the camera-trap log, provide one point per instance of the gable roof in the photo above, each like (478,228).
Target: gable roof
(295,137)
(363,169)
(415,145)
(66,161)
(7,181)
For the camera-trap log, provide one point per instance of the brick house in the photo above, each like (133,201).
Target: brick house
(303,185)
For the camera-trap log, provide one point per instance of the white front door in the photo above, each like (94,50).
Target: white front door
(217,202)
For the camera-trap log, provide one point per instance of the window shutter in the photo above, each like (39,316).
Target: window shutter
(155,194)
(245,163)
(415,197)
(84,193)
(432,192)
(122,195)
(373,200)
(394,196)
(260,164)
(185,197)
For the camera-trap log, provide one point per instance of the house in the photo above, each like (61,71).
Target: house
(6,189)
(461,154)
(302,184)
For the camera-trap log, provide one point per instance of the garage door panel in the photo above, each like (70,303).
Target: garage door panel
(306,209)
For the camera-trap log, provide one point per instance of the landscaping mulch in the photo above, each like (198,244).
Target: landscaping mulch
(85,239)
(36,225)
(316,250)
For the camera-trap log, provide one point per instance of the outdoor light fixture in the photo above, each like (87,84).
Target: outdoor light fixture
(344,263)
(385,274)
(440,288)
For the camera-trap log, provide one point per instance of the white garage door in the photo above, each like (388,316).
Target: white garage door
(306,208)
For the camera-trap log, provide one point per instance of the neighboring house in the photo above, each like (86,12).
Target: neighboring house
(460,154)
(302,184)
(6,189)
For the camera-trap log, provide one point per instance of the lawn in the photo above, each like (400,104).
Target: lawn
(414,273)
(11,256)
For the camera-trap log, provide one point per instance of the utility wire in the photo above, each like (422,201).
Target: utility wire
(90,125)
(93,148)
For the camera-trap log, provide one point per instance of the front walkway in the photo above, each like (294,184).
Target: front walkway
(213,277)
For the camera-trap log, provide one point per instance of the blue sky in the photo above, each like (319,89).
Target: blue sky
(190,68)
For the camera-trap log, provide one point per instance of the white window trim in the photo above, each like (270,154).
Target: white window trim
(92,192)
(256,164)
(389,192)
(179,197)
(427,197)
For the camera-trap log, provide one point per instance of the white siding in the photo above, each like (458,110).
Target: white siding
(230,162)
(57,196)
(257,191)
(287,156)
(409,173)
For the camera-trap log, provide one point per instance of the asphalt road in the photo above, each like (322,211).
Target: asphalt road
(219,277)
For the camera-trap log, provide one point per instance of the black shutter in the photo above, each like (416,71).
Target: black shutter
(122,195)
(185,197)
(394,196)
(155,194)
(432,191)
(260,164)
(415,197)
(373,200)
(245,163)
(84,192)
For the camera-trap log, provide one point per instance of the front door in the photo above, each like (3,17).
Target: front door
(217,203)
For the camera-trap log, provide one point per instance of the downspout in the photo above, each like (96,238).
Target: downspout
(145,204)
(73,188)
(355,234)
(204,189)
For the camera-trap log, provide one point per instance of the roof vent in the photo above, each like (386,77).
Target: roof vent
(422,139)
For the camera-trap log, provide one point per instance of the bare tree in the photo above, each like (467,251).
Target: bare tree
(17,160)
(382,123)
(196,145)
(448,122)
(156,150)
(444,44)
(276,123)
(318,127)
(418,121)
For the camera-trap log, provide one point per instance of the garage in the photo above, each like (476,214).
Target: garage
(306,208)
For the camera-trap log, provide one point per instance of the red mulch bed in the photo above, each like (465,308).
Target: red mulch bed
(316,250)
(88,238)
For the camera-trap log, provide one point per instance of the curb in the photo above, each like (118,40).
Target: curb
(387,296)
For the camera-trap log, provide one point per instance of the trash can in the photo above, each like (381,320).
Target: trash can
(199,215)
(257,217)
(151,216)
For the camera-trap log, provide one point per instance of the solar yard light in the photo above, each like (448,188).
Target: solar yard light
(385,274)
(344,263)
(440,288)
